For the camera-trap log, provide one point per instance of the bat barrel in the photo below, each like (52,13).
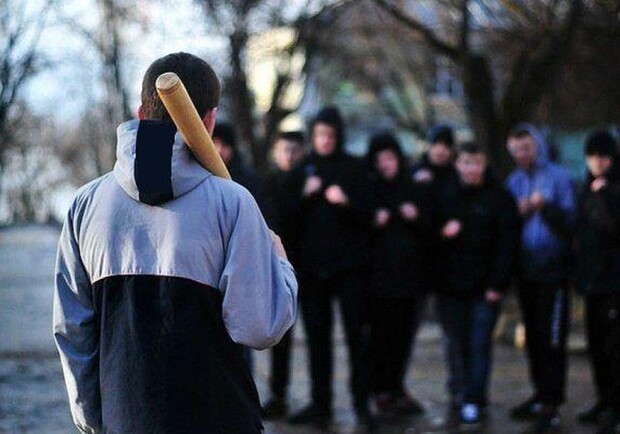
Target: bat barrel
(179,105)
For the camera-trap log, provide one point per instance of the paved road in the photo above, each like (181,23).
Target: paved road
(33,400)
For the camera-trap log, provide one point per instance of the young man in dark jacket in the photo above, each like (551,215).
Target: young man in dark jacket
(164,273)
(287,151)
(598,256)
(398,278)
(547,204)
(480,232)
(330,202)
(436,168)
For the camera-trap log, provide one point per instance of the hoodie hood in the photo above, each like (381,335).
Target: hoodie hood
(543,154)
(153,164)
(331,116)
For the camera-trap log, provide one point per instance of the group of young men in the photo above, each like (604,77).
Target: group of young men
(165,273)
(380,236)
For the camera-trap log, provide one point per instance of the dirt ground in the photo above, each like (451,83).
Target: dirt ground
(33,398)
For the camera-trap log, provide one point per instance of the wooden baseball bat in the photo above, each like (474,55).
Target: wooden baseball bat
(173,94)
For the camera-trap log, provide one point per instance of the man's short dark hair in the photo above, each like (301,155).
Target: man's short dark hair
(197,75)
(291,136)
(471,148)
(519,132)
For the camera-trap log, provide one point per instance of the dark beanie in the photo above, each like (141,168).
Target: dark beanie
(601,143)
(441,133)
(226,133)
(331,116)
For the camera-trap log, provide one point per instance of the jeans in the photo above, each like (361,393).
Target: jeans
(468,327)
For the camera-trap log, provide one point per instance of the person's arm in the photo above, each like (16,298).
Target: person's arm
(76,331)
(258,284)
(562,215)
(507,246)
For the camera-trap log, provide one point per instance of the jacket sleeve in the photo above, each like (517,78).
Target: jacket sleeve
(76,331)
(508,228)
(562,215)
(259,287)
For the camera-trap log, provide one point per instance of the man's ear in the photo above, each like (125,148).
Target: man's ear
(209,120)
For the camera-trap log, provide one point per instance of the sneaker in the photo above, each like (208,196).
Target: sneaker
(471,417)
(611,425)
(594,415)
(529,409)
(312,415)
(274,409)
(548,422)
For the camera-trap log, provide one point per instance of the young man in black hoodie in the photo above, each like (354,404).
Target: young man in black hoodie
(287,151)
(330,204)
(598,255)
(398,279)
(436,168)
(480,232)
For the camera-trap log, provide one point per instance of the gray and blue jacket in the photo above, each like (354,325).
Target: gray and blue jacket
(164,273)
(546,234)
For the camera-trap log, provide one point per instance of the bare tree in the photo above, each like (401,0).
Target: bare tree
(33,171)
(356,46)
(535,37)
(237,21)
(110,45)
(21,29)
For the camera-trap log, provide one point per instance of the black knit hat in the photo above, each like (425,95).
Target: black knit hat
(441,133)
(331,116)
(226,133)
(601,143)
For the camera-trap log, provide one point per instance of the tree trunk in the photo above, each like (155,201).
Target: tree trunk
(487,124)
(241,101)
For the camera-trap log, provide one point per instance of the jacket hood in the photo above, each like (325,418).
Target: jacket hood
(543,155)
(153,164)
(331,116)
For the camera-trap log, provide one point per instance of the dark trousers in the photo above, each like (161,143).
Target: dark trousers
(281,365)
(394,323)
(468,326)
(603,329)
(316,298)
(545,311)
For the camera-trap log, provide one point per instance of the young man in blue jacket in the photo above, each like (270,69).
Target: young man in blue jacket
(546,199)
(164,273)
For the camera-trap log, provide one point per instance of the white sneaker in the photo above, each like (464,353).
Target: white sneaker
(470,417)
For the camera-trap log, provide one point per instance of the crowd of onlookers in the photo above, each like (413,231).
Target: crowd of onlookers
(380,236)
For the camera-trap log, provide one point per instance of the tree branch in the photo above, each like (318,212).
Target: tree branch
(431,38)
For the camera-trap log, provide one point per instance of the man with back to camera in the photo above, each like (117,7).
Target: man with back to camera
(163,273)
(547,204)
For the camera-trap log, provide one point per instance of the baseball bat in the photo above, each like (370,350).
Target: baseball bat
(174,95)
